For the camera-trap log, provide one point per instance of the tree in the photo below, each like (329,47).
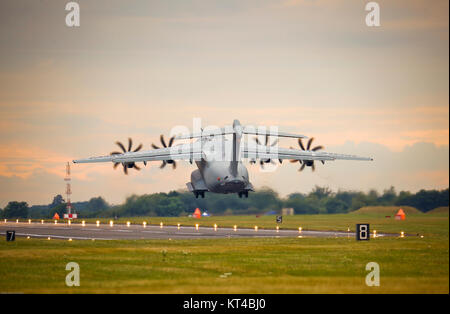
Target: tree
(16,210)
(302,204)
(321,193)
(346,197)
(60,209)
(57,200)
(424,200)
(335,206)
(358,201)
(97,204)
(388,198)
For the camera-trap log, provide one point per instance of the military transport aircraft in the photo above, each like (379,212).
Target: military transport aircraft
(218,154)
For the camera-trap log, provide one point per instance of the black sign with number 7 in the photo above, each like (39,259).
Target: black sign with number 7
(10,235)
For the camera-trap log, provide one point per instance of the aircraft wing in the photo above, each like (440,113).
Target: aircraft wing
(265,152)
(188,151)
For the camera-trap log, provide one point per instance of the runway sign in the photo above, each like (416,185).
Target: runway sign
(362,232)
(70,216)
(279,219)
(10,235)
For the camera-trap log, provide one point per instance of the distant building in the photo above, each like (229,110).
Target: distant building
(287,211)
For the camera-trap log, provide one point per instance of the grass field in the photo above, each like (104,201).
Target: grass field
(259,265)
(387,210)
(439,210)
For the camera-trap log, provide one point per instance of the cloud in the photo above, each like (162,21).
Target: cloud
(138,69)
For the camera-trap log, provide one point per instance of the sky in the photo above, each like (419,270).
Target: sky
(139,68)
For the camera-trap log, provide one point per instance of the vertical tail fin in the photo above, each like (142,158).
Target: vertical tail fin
(237,135)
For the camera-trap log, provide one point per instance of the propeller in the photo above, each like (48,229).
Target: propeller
(268,144)
(309,163)
(126,165)
(163,142)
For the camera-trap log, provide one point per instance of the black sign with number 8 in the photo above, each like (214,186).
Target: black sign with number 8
(362,232)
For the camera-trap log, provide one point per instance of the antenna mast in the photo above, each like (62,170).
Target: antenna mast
(67,178)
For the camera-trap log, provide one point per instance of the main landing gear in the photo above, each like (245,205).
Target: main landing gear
(199,193)
(243,193)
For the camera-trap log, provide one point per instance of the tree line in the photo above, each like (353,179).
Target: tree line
(321,200)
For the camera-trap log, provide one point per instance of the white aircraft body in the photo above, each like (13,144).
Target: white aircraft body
(219,158)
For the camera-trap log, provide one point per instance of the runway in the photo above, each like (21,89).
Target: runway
(76,231)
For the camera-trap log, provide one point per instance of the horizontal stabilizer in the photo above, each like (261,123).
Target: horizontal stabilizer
(255,131)
(206,133)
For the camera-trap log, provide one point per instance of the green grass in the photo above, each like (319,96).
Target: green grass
(387,210)
(294,265)
(440,210)
(258,265)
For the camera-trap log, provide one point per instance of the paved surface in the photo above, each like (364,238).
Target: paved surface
(76,231)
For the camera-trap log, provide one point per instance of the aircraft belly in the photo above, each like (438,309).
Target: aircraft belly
(220,179)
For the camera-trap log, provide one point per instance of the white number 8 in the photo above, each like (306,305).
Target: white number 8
(363,232)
